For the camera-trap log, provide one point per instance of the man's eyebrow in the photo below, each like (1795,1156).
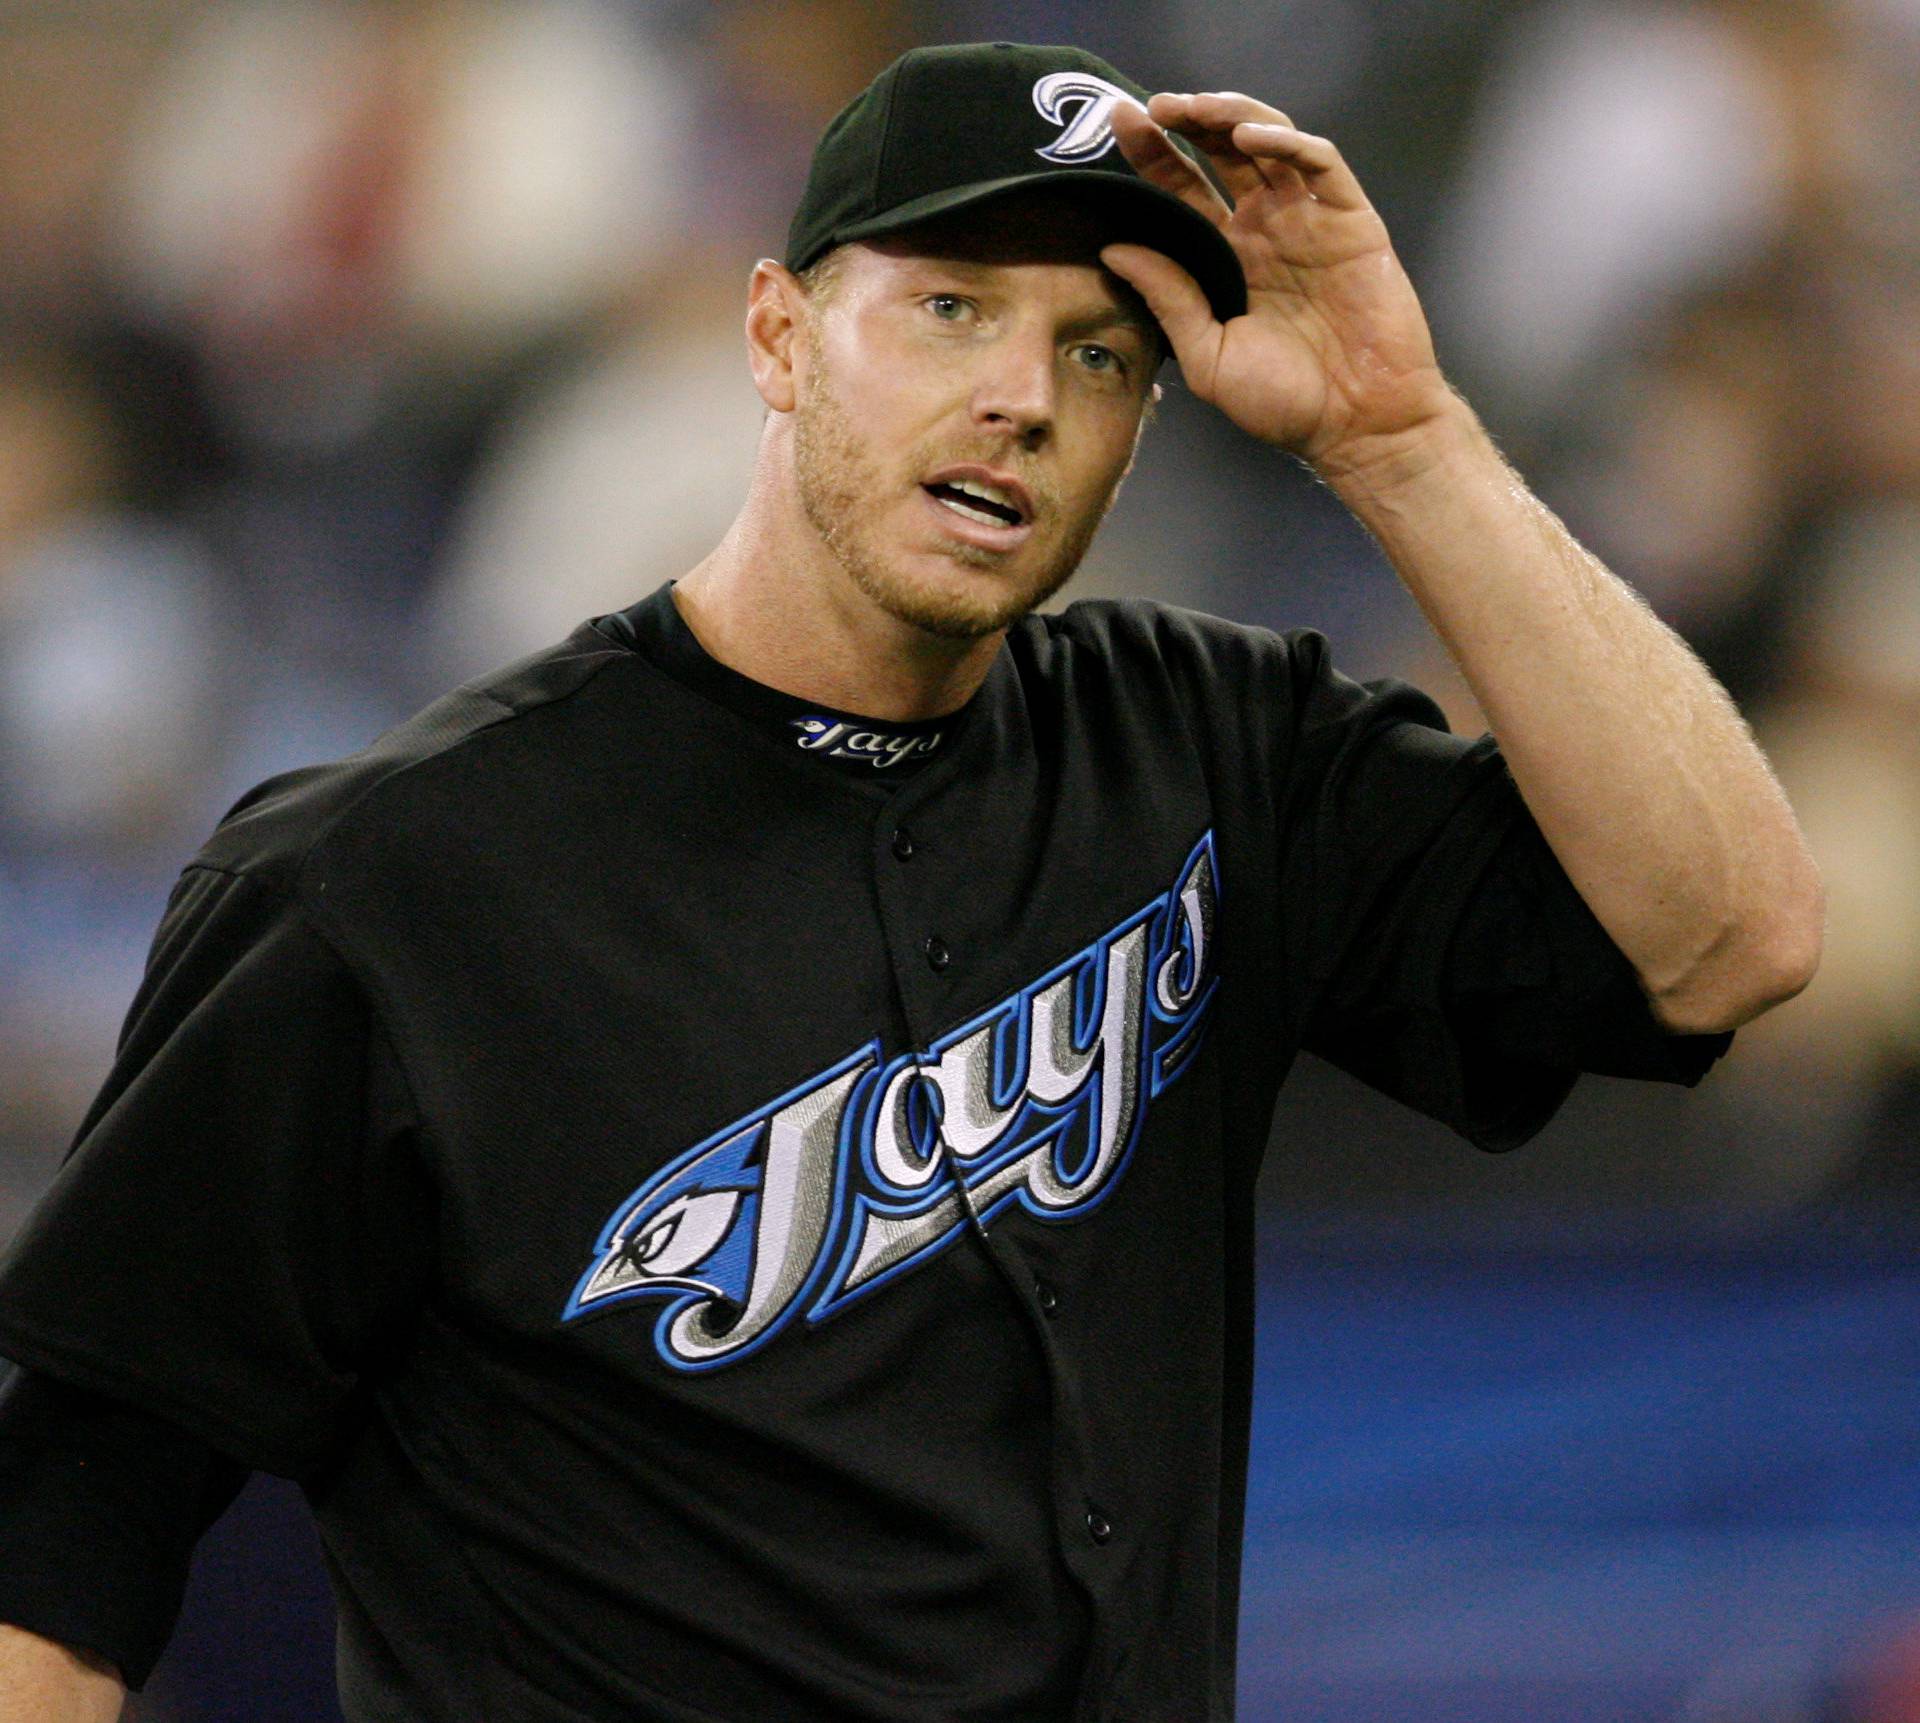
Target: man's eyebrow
(1110,314)
(941,262)
(1107,316)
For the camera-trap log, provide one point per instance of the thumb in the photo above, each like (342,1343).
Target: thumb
(1174,298)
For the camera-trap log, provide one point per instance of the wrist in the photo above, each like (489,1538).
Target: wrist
(1373,469)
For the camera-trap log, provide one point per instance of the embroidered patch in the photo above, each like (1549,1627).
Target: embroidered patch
(1090,133)
(844,741)
(866,1171)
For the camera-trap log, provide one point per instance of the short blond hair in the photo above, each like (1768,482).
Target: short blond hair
(818,279)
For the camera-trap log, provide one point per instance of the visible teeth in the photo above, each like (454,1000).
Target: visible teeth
(980,515)
(991,493)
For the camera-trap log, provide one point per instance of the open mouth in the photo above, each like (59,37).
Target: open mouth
(972,500)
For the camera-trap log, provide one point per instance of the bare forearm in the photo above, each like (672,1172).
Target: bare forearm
(1633,760)
(41,1682)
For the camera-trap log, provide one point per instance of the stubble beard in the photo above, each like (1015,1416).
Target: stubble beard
(839,489)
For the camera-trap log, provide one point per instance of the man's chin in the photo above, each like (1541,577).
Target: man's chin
(979,597)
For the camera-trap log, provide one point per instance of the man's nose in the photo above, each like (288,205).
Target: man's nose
(1015,395)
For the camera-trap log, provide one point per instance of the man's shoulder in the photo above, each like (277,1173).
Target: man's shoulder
(1143,638)
(273,831)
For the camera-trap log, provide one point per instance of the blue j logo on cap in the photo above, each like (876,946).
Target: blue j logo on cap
(1091,132)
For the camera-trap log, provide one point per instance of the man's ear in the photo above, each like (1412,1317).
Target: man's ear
(776,304)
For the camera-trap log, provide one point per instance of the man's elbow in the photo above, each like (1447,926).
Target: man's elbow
(1750,971)
(45,1681)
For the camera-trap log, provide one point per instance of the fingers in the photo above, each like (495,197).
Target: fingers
(1210,109)
(1254,146)
(1155,157)
(1276,148)
(1207,120)
(1172,295)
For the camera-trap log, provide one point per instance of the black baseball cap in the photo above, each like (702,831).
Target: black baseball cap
(952,127)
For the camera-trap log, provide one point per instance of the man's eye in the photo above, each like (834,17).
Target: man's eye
(948,307)
(1098,358)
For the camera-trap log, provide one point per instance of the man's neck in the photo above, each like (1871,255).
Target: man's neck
(780,610)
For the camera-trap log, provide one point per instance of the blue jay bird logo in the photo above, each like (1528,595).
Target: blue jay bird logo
(682,1226)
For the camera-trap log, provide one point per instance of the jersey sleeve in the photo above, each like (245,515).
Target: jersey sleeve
(1532,973)
(242,1226)
(101,1505)
(1436,949)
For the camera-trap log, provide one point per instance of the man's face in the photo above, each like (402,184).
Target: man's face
(972,399)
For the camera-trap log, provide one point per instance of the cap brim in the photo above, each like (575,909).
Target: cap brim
(1144,215)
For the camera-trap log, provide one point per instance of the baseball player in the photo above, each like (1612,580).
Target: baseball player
(722,1156)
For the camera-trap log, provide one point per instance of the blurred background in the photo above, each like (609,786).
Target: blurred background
(350,349)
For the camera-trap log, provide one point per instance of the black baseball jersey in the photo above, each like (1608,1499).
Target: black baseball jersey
(722,1235)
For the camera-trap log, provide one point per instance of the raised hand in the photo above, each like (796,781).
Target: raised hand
(1332,359)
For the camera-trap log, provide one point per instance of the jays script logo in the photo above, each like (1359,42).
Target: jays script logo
(866,1171)
(1091,132)
(846,741)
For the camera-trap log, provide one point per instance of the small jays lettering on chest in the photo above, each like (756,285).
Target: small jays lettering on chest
(842,740)
(868,1169)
